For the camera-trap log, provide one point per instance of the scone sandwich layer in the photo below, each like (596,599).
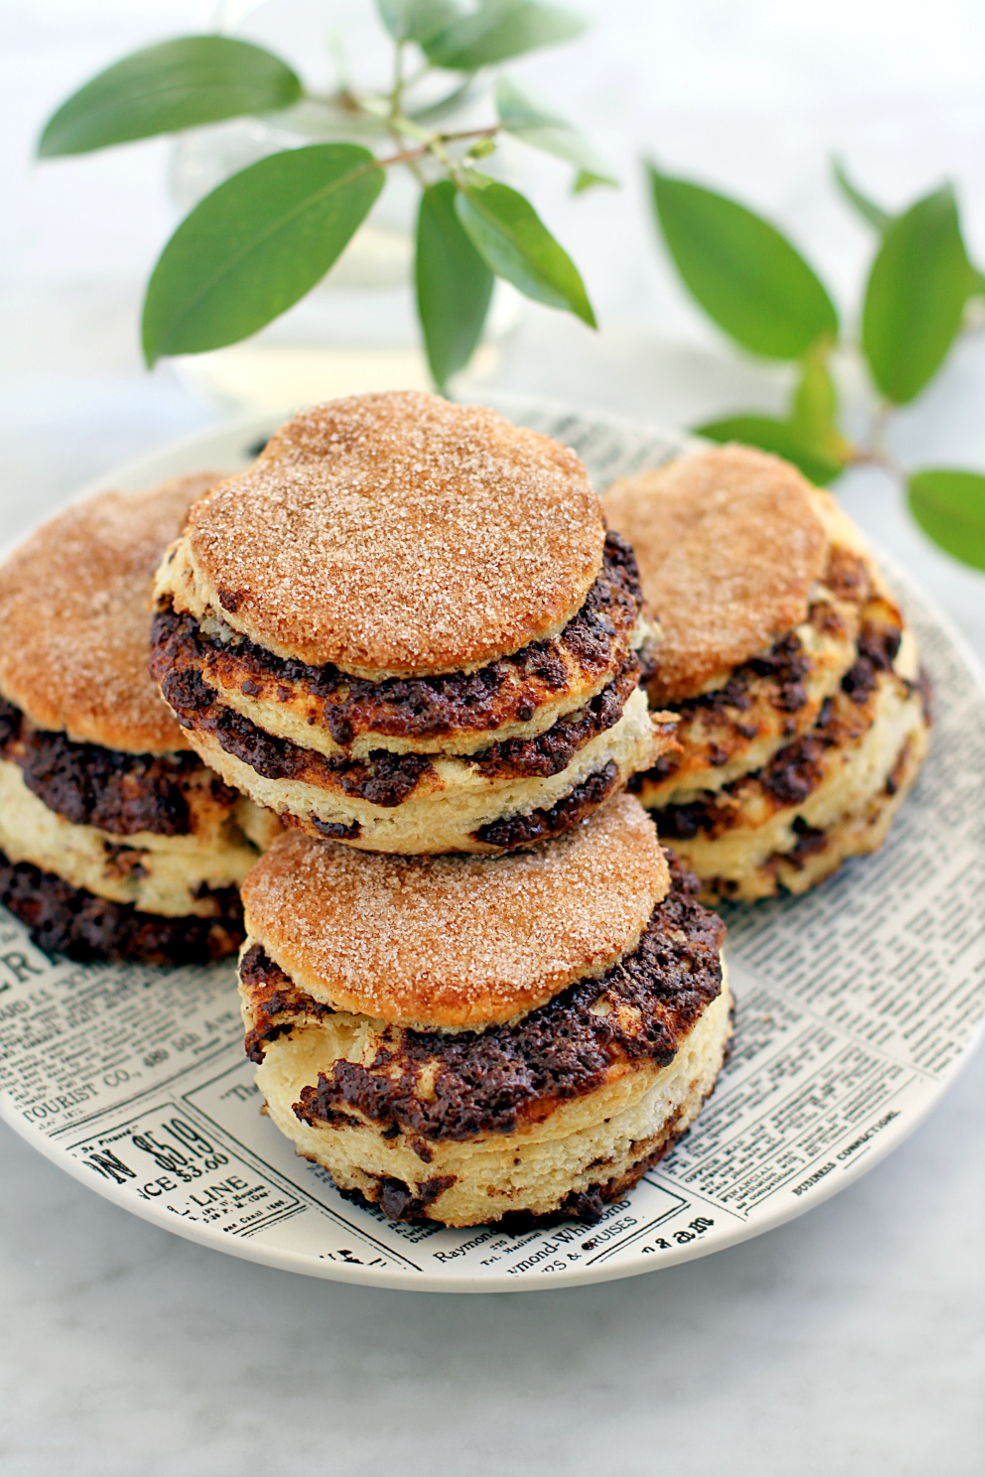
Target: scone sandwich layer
(115,840)
(584,1057)
(795,752)
(406,628)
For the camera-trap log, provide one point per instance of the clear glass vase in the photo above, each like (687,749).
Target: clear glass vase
(357,330)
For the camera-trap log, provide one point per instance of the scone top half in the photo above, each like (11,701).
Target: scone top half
(100,792)
(406,624)
(802,719)
(466,1037)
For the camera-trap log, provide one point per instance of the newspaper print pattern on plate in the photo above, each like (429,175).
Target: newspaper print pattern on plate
(855,1007)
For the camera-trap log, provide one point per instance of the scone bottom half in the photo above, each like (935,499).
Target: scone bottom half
(532,1112)
(116,842)
(803,712)
(505,703)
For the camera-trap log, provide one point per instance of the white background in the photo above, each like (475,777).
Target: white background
(849,1341)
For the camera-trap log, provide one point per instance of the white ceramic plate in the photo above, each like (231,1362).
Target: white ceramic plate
(857,1006)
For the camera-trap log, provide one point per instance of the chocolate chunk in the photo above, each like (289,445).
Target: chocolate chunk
(93,786)
(552,751)
(231,600)
(273,994)
(10,722)
(539,825)
(683,822)
(877,648)
(809,842)
(69,920)
(400,1202)
(491,1081)
(333,830)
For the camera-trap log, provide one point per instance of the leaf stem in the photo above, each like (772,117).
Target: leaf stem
(396,96)
(429,147)
(877,453)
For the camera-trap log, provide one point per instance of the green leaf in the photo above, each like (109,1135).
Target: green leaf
(257,244)
(522,117)
(514,242)
(950,508)
(416,20)
(870,212)
(497,30)
(776,436)
(814,411)
(586,180)
(745,275)
(454,285)
(164,88)
(882,220)
(915,297)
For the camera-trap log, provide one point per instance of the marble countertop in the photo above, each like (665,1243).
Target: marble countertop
(848,1341)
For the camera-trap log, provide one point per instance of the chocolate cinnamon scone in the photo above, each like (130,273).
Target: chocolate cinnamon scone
(463,1039)
(803,715)
(406,628)
(115,840)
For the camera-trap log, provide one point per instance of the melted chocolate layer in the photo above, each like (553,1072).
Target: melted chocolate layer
(490,1081)
(69,920)
(729,710)
(273,993)
(385,778)
(540,825)
(797,769)
(552,751)
(506,691)
(107,788)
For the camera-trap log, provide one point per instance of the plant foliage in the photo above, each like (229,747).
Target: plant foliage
(266,236)
(754,284)
(950,508)
(454,284)
(255,246)
(169,87)
(745,275)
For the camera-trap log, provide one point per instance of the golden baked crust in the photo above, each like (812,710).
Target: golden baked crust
(452,942)
(75,618)
(728,731)
(728,544)
(396,535)
(829,794)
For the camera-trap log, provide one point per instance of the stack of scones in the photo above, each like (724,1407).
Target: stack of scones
(804,713)
(415,688)
(475,987)
(116,842)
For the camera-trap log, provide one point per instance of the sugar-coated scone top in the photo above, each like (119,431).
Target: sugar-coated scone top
(407,628)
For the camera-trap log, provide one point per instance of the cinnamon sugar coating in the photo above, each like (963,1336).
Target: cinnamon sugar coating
(75,618)
(397,534)
(449,942)
(728,543)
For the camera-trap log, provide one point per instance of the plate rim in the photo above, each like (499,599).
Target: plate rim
(143,471)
